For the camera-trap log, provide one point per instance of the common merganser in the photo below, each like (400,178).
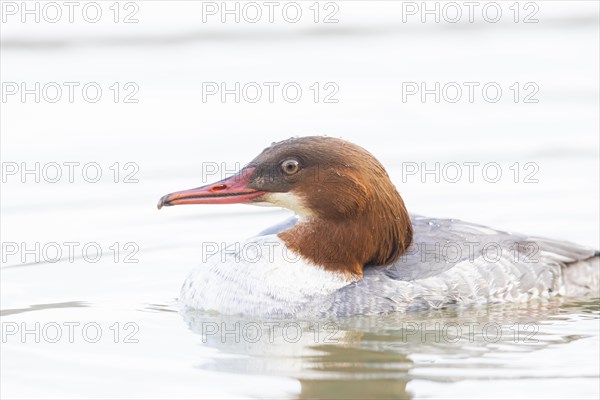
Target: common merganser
(352,247)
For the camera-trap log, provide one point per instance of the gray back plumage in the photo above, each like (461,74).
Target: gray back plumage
(456,262)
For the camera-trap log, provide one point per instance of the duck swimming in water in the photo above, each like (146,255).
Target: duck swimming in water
(353,248)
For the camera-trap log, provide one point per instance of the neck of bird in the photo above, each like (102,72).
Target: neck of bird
(376,235)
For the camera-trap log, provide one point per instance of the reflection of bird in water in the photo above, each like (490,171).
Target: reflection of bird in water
(377,356)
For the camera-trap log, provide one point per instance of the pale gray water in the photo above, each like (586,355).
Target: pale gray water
(170,133)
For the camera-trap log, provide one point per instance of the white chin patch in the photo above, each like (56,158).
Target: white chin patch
(286,200)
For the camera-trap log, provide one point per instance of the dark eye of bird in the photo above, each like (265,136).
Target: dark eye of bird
(290,166)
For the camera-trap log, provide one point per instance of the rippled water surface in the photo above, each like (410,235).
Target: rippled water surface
(543,349)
